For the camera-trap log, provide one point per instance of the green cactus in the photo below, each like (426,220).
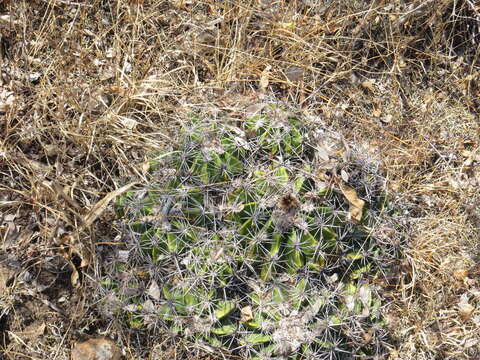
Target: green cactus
(243,222)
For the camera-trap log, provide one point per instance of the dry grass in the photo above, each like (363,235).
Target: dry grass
(89,89)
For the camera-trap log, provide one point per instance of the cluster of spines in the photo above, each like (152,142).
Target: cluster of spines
(231,215)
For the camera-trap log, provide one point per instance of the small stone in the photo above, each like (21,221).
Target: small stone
(96,349)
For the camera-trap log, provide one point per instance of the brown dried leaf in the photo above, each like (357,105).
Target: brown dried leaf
(100,206)
(460,274)
(368,84)
(254,109)
(145,167)
(356,204)
(294,73)
(377,110)
(247,314)
(154,290)
(74,277)
(323,154)
(264,78)
(465,309)
(33,331)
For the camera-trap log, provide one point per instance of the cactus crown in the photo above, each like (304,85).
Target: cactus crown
(255,243)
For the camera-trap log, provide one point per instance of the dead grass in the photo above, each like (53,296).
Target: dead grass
(89,89)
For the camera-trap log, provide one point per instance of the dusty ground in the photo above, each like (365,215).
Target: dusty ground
(90,88)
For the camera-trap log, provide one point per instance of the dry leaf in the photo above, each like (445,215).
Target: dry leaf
(100,206)
(154,290)
(349,302)
(247,314)
(294,73)
(123,256)
(460,274)
(6,100)
(367,337)
(85,254)
(145,167)
(465,309)
(323,153)
(356,204)
(254,109)
(368,84)
(377,111)
(264,78)
(60,191)
(74,277)
(387,118)
(33,331)
(128,123)
(87,257)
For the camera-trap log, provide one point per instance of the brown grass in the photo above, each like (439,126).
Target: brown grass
(90,89)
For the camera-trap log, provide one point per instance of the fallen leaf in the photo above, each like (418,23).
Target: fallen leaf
(101,205)
(294,73)
(387,118)
(83,251)
(33,331)
(368,84)
(154,290)
(148,307)
(460,274)
(465,309)
(128,123)
(123,256)
(145,167)
(331,279)
(254,109)
(86,256)
(64,194)
(246,313)
(7,19)
(356,204)
(74,277)
(264,78)
(367,337)
(377,111)
(323,153)
(349,302)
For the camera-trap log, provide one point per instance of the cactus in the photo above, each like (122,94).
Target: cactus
(255,252)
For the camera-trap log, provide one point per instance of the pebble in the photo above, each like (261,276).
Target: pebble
(96,349)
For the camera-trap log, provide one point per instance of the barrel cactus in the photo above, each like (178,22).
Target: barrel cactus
(256,250)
